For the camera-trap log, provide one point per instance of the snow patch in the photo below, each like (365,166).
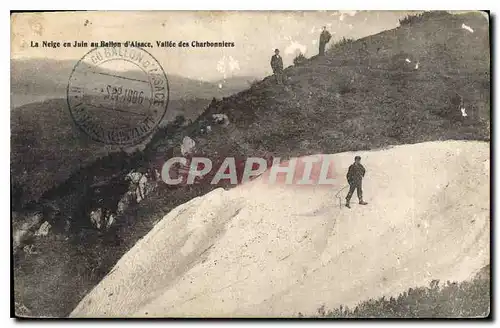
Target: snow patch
(43,230)
(222,119)
(251,233)
(187,146)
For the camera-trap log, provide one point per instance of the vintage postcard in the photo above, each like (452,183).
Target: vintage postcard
(260,164)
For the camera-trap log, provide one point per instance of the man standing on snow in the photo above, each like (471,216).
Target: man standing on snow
(277,66)
(355,175)
(324,38)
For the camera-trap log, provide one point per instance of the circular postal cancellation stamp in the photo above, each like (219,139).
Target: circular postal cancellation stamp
(118,95)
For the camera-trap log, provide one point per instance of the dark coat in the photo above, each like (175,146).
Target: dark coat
(276,63)
(355,173)
(324,37)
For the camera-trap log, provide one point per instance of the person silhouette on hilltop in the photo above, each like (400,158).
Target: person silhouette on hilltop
(277,66)
(324,38)
(355,175)
(213,103)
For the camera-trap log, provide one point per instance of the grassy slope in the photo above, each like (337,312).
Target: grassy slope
(344,101)
(351,101)
(45,147)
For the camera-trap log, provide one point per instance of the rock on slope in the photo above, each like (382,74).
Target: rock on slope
(260,250)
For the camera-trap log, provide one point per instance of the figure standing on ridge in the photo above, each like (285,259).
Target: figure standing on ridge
(277,66)
(355,175)
(324,38)
(213,103)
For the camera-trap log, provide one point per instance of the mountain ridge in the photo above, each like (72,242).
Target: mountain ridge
(49,78)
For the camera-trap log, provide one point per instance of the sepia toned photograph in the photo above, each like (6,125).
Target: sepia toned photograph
(250,164)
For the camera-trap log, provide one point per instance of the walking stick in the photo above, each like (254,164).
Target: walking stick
(340,199)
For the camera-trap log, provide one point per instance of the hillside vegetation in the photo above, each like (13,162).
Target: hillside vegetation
(467,299)
(366,95)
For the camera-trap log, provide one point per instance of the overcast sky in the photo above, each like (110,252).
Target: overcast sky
(255,34)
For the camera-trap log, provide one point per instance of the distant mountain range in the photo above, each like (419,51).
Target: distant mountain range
(35,80)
